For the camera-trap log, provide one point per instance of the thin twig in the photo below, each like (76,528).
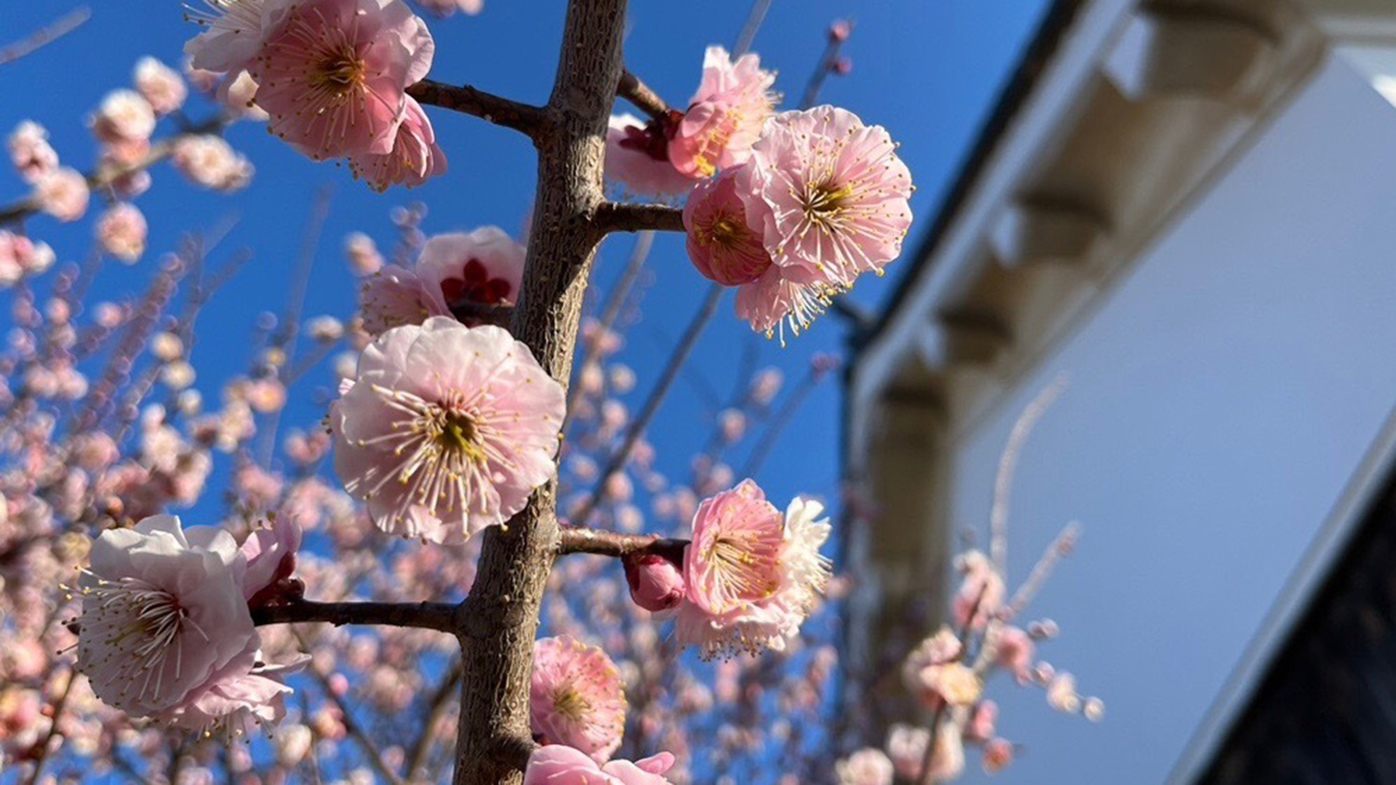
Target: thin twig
(44,749)
(778,424)
(644,99)
(610,312)
(422,615)
(651,405)
(754,18)
(525,118)
(103,176)
(600,542)
(47,34)
(351,726)
(1060,547)
(440,700)
(1008,465)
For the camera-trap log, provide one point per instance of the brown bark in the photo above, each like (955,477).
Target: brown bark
(498,622)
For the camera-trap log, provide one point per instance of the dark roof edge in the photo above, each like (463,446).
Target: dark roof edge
(1039,52)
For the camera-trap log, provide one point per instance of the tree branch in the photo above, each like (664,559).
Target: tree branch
(583,539)
(421,615)
(646,100)
(54,30)
(620,217)
(104,176)
(499,621)
(525,118)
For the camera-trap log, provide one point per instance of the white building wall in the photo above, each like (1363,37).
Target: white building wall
(1222,399)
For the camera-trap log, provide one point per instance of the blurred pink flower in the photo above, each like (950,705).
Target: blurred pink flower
(831,193)
(121,231)
(124,116)
(980,725)
(721,243)
(331,74)
(981,590)
(948,757)
(656,583)
(555,764)
(483,266)
(364,258)
(637,156)
(20,257)
(163,614)
(906,746)
(30,152)
(62,194)
(446,429)
(445,8)
(725,116)
(868,766)
(576,697)
(1015,652)
(415,156)
(998,753)
(211,162)
(161,86)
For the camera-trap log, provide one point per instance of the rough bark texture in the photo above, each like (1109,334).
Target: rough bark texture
(498,622)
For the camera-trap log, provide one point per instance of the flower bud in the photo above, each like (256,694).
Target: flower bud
(840,30)
(656,583)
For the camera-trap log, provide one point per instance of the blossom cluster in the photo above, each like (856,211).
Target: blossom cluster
(331,77)
(789,207)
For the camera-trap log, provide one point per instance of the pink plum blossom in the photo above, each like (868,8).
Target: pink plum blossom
(271,558)
(395,296)
(830,192)
(906,746)
(484,267)
(752,575)
(980,725)
(160,85)
(725,117)
(121,231)
(656,583)
(981,591)
(364,258)
(415,155)
(211,162)
(637,155)
(446,429)
(1015,649)
(163,614)
(555,764)
(576,697)
(62,193)
(237,92)
(232,705)
(869,766)
(331,73)
(721,243)
(233,33)
(124,117)
(30,152)
(998,753)
(20,257)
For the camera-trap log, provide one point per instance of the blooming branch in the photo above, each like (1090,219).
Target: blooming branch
(104,176)
(525,118)
(422,615)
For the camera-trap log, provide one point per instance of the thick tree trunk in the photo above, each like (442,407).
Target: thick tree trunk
(498,622)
